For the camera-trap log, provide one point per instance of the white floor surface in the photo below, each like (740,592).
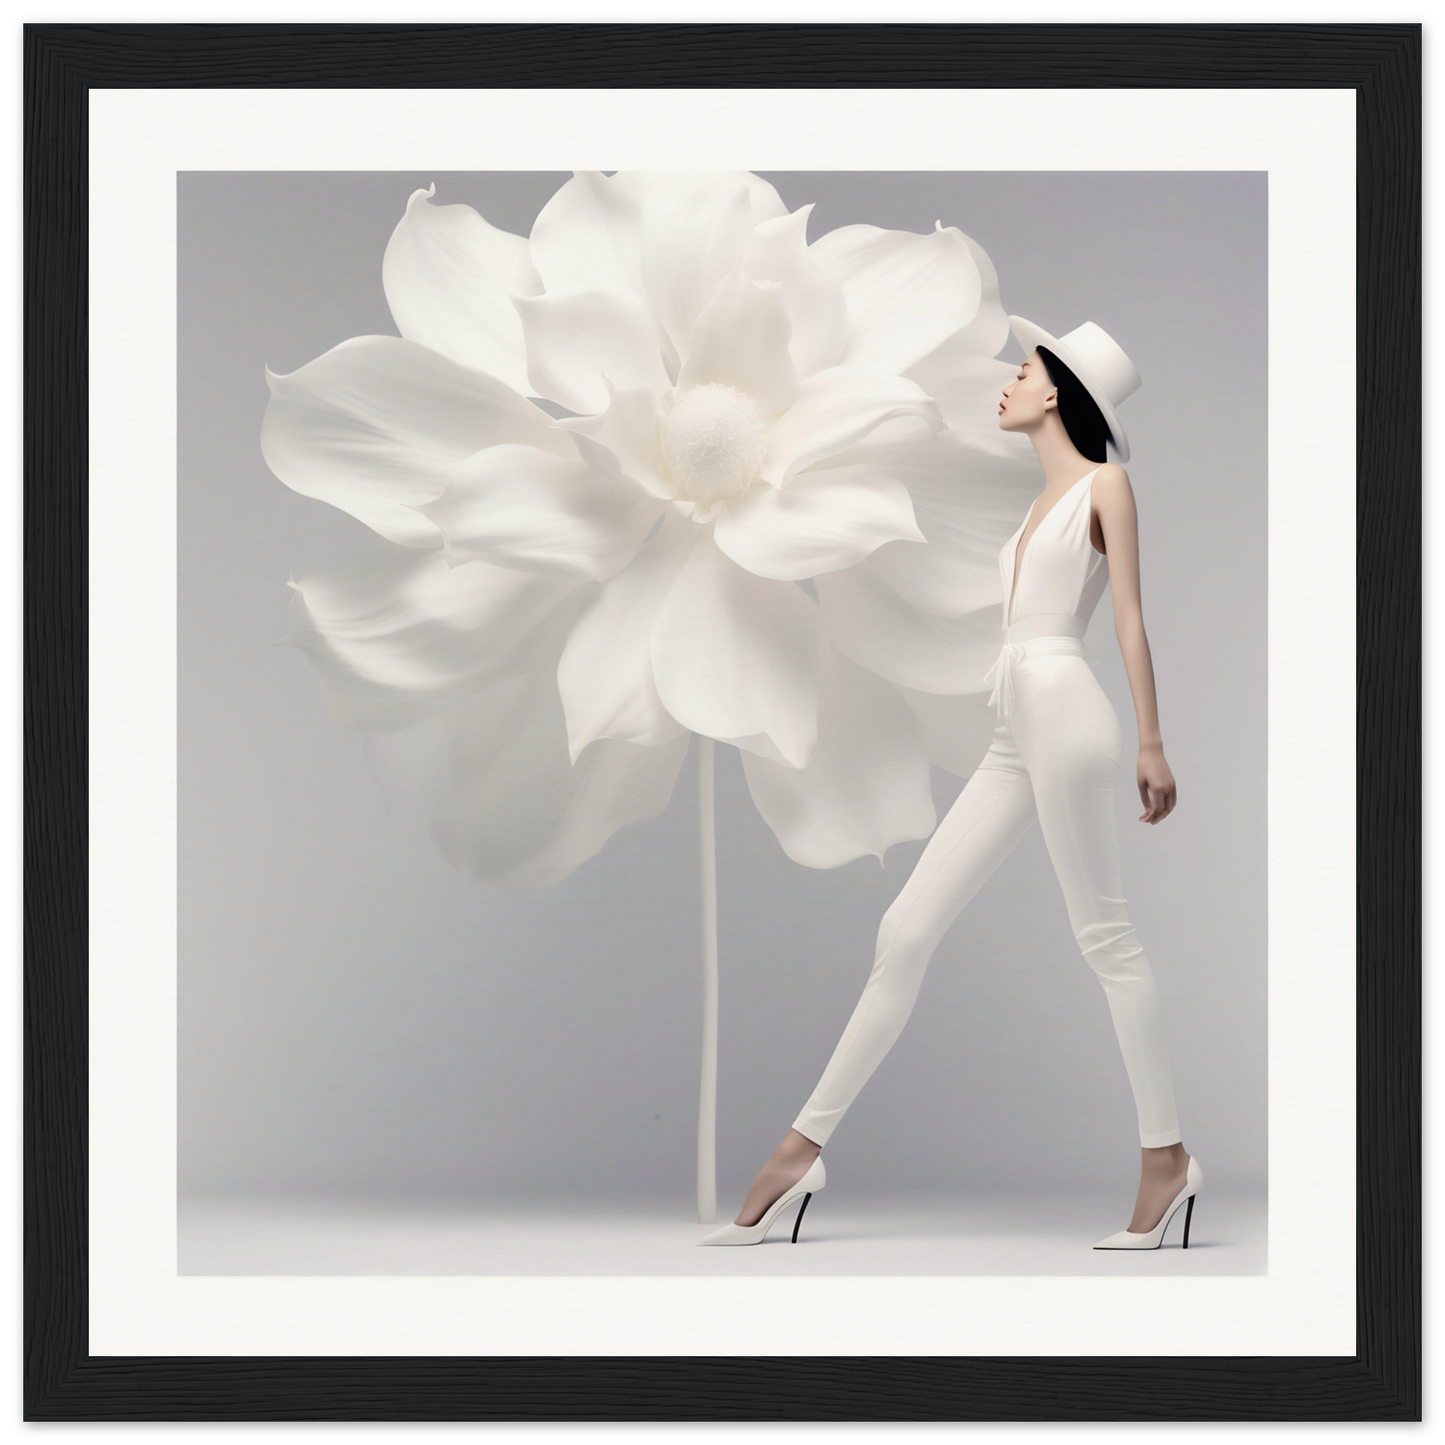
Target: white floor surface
(841,1234)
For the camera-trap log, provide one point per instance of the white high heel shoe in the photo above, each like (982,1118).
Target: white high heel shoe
(1193,1179)
(811,1182)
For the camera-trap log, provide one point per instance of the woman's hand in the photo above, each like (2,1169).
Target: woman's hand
(1156,784)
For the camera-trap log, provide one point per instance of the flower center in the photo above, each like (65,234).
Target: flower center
(712,442)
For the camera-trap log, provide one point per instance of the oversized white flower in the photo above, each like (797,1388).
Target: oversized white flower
(662,467)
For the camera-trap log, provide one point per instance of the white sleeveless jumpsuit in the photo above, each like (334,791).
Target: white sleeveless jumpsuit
(1054,756)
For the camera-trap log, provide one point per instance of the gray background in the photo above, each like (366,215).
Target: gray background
(358,1022)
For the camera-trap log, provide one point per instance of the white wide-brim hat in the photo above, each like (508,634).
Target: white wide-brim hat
(1099,362)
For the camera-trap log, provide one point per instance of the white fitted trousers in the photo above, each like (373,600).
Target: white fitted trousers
(1054,757)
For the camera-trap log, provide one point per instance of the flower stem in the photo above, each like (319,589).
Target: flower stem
(707,1094)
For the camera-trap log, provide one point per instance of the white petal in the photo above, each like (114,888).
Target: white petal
(628,430)
(967,501)
(736,656)
(615,784)
(957,730)
(586,238)
(516,811)
(574,340)
(968,389)
(763,198)
(986,333)
(396,636)
(694,228)
(740,339)
(449,277)
(374,425)
(824,519)
(778,251)
(867,785)
(906,293)
(605,673)
(521,507)
(870,622)
(834,410)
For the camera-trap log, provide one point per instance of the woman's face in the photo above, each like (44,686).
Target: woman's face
(1027,397)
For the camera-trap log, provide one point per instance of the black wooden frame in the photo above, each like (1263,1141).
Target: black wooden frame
(1382,1381)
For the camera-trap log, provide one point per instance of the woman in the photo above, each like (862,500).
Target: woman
(1054,757)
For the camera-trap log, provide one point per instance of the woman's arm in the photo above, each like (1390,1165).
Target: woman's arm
(1119,520)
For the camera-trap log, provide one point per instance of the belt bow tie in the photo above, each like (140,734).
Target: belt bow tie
(1001,675)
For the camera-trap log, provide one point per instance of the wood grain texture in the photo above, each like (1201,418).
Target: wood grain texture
(1382,63)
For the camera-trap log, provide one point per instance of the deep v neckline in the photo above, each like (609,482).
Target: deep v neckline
(1020,550)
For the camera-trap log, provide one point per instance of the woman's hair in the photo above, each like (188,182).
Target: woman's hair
(1078,411)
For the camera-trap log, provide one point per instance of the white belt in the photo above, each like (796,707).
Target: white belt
(1026,629)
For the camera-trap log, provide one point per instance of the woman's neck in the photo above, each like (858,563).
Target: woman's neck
(1062,462)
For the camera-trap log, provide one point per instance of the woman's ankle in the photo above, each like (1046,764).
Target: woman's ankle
(797,1146)
(1166,1159)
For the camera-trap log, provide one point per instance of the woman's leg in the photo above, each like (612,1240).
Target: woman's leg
(1069,735)
(994,810)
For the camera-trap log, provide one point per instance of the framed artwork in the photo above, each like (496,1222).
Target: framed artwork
(665,480)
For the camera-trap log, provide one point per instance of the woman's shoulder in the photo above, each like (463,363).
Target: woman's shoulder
(1112,475)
